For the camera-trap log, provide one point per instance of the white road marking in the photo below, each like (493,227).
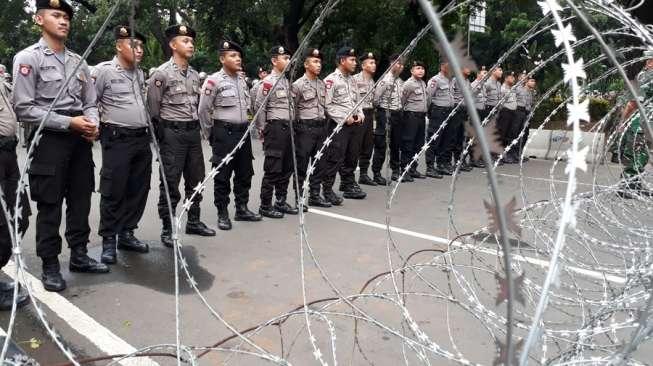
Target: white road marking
(104,339)
(549,180)
(437,239)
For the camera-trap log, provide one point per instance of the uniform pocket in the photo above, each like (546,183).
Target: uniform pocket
(50,83)
(44,184)
(273,162)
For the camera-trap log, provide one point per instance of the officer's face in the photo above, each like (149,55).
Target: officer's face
(183,46)
(348,63)
(417,72)
(497,73)
(466,72)
(481,74)
(398,67)
(649,63)
(510,80)
(130,52)
(280,62)
(444,68)
(369,65)
(531,83)
(231,61)
(262,75)
(55,23)
(313,65)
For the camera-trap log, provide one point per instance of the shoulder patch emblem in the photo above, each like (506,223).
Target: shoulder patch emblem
(329,83)
(25,69)
(158,83)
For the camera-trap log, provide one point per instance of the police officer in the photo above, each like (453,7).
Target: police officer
(493,94)
(62,165)
(364,84)
(262,74)
(172,98)
(525,96)
(387,97)
(309,93)
(416,104)
(478,91)
(341,98)
(223,110)
(9,176)
(439,91)
(274,124)
(125,138)
(455,146)
(507,118)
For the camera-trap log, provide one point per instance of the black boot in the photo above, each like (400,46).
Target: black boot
(379,180)
(108,250)
(366,180)
(315,200)
(7,296)
(128,242)
(267,210)
(82,263)
(432,173)
(244,214)
(478,164)
(414,173)
(354,191)
(331,197)
(282,206)
(51,277)
(166,234)
(224,223)
(444,169)
(196,227)
(464,167)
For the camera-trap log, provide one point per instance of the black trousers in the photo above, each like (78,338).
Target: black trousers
(352,154)
(506,122)
(224,139)
(9,176)
(309,137)
(392,120)
(278,163)
(336,155)
(124,180)
(522,115)
(62,169)
(436,149)
(367,144)
(413,130)
(181,155)
(458,141)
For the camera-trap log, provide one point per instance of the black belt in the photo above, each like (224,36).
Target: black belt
(311,123)
(181,125)
(8,143)
(284,122)
(236,127)
(70,113)
(124,131)
(523,109)
(417,113)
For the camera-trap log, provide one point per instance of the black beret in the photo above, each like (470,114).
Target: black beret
(367,56)
(56,5)
(346,52)
(124,32)
(230,46)
(312,52)
(180,30)
(418,63)
(279,50)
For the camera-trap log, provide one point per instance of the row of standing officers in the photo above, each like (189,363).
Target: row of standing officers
(112,105)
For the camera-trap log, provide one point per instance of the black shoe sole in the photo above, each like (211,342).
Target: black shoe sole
(191,232)
(108,261)
(250,219)
(319,205)
(370,183)
(76,269)
(54,289)
(142,250)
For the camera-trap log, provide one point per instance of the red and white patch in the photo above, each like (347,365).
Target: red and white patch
(267,86)
(210,83)
(329,84)
(25,69)
(207,91)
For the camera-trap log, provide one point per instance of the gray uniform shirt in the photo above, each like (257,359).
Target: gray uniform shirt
(525,97)
(493,92)
(388,92)
(253,91)
(341,97)
(8,123)
(309,96)
(121,95)
(277,106)
(39,74)
(413,96)
(173,96)
(223,98)
(439,90)
(363,86)
(457,91)
(511,99)
(479,94)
